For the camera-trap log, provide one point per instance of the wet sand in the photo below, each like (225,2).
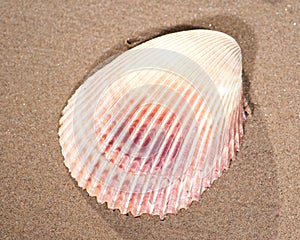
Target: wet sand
(48,49)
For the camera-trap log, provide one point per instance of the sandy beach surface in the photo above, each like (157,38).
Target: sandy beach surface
(48,48)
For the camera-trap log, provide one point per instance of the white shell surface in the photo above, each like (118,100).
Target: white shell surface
(150,131)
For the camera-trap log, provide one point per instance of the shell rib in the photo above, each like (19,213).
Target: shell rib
(150,131)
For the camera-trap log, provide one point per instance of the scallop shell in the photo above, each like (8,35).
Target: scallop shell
(151,130)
